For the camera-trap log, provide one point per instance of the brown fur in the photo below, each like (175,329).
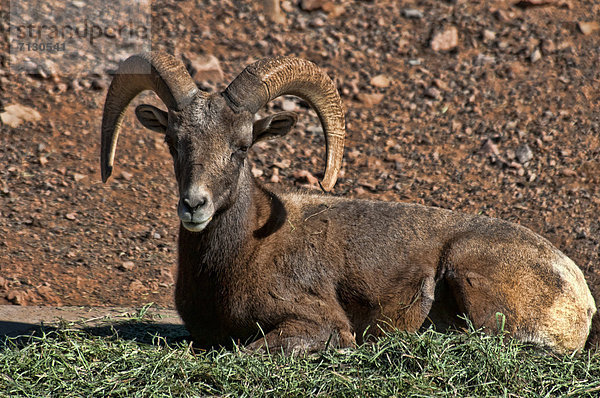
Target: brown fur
(338,268)
(311,270)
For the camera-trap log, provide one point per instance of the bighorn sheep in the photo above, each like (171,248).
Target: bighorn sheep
(309,270)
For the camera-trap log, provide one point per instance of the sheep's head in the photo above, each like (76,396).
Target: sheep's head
(209,134)
(209,143)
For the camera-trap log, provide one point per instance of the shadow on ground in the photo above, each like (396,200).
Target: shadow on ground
(146,325)
(140,331)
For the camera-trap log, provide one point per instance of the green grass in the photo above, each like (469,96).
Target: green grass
(70,362)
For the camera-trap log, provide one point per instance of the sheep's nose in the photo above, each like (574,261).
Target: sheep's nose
(195,203)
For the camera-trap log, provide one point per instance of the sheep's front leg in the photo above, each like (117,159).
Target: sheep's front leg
(294,337)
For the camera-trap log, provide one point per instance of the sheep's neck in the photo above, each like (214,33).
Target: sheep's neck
(230,232)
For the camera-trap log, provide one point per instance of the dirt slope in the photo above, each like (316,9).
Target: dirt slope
(504,122)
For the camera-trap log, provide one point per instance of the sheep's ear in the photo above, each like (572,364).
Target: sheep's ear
(273,126)
(152,118)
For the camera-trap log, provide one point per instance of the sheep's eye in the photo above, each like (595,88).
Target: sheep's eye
(240,152)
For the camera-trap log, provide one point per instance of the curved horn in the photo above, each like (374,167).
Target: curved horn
(269,78)
(157,71)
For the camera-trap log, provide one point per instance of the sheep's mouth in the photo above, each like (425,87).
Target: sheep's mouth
(196,226)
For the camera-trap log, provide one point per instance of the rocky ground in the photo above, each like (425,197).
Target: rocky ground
(483,107)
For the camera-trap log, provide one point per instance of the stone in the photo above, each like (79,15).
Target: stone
(312,5)
(489,148)
(71,216)
(273,11)
(433,93)
(587,28)
(288,105)
(204,67)
(333,10)
(17,114)
(524,154)
(127,266)
(256,172)
(380,81)
(16,297)
(489,35)
(126,175)
(99,85)
(445,40)
(370,99)
(412,13)
(306,176)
